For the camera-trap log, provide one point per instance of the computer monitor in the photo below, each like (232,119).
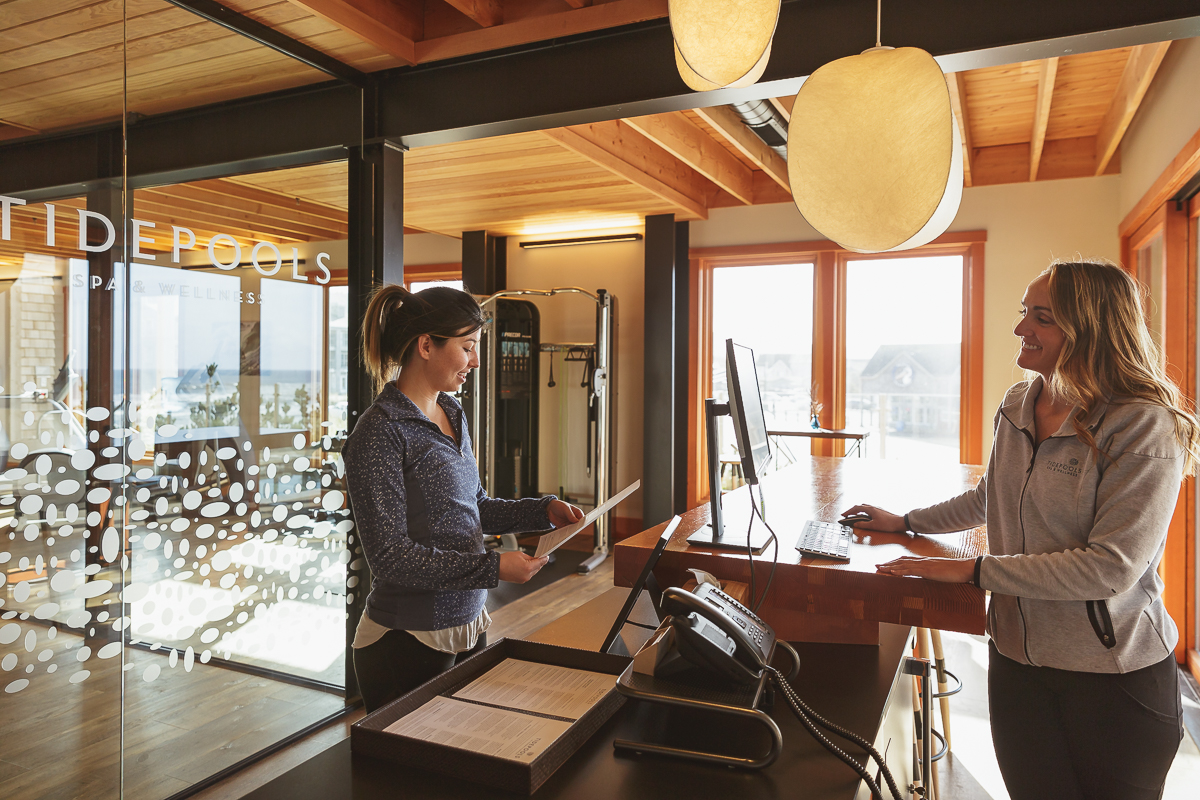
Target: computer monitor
(754,448)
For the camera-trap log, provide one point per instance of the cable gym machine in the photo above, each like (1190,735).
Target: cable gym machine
(501,399)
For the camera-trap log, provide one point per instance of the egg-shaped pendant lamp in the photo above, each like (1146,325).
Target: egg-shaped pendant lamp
(875,156)
(722,43)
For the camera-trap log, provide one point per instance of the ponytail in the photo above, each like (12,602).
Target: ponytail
(396,318)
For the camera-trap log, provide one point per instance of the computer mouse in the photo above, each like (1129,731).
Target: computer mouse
(853,518)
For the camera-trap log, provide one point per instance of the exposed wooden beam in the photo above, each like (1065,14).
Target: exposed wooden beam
(486,12)
(537,29)
(685,140)
(621,150)
(729,125)
(1135,80)
(386,25)
(1047,73)
(957,84)
(784,106)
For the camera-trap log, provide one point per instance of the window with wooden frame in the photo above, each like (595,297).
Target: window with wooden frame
(1159,244)
(830,266)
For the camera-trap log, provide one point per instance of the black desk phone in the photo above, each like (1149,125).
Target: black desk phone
(717,632)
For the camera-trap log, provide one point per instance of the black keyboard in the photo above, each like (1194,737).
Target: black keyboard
(826,539)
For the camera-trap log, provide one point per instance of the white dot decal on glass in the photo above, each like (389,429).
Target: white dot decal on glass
(136,449)
(226,453)
(266,454)
(63,580)
(185,460)
(204,531)
(168,548)
(93,518)
(152,540)
(10,633)
(255,519)
(18,451)
(189,659)
(79,677)
(208,637)
(98,495)
(236,492)
(135,592)
(72,512)
(97,413)
(332,500)
(45,655)
(212,510)
(109,650)
(16,686)
(203,457)
(21,591)
(77,619)
(228,579)
(110,472)
(181,524)
(142,495)
(160,506)
(31,504)
(300,464)
(30,641)
(110,545)
(192,499)
(46,610)
(271,470)
(83,654)
(205,656)
(167,431)
(93,588)
(9,662)
(221,560)
(184,546)
(42,465)
(32,531)
(173,658)
(83,459)
(280,513)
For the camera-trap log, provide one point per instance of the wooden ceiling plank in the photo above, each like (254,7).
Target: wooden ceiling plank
(485,12)
(606,145)
(784,106)
(378,22)
(956,82)
(537,29)
(683,139)
(1041,113)
(1135,81)
(729,125)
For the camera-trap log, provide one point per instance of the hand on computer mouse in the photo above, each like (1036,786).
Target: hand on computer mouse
(870,518)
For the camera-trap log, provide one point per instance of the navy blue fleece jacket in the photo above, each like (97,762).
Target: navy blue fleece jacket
(421,515)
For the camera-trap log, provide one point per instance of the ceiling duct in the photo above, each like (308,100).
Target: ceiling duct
(766,122)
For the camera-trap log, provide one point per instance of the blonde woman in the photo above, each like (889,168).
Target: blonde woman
(1083,478)
(419,509)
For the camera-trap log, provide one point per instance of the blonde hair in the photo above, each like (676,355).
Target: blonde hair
(1108,350)
(396,318)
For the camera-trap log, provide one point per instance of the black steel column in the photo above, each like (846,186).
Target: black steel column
(659,370)
(683,274)
(484,262)
(375,256)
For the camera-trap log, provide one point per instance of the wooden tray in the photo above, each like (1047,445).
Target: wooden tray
(367,737)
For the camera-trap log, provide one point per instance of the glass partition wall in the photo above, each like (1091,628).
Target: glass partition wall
(174,537)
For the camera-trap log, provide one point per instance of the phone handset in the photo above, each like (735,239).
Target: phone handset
(718,632)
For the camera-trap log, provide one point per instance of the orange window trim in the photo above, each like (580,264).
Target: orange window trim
(829,262)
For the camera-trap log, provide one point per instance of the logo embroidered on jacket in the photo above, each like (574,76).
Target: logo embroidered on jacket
(1070,468)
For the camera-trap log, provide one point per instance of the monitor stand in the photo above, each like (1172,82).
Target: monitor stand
(732,540)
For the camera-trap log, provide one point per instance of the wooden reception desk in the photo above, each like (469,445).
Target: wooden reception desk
(819,599)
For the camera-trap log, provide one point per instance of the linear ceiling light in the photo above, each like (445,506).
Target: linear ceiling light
(616,237)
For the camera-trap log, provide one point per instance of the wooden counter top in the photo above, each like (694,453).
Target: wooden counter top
(819,599)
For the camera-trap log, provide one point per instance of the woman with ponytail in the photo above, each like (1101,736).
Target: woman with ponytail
(419,508)
(1084,475)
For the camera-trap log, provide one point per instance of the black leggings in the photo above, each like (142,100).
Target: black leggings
(397,663)
(1074,735)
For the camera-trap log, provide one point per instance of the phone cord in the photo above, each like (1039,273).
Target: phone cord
(803,712)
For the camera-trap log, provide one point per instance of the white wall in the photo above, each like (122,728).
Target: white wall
(430,248)
(1167,118)
(1027,226)
(617,268)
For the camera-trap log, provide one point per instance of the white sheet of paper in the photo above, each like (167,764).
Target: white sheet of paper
(540,688)
(480,729)
(549,542)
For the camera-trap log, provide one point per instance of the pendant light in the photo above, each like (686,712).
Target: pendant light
(722,43)
(875,156)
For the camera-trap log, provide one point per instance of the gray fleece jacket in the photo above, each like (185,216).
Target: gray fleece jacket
(1074,540)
